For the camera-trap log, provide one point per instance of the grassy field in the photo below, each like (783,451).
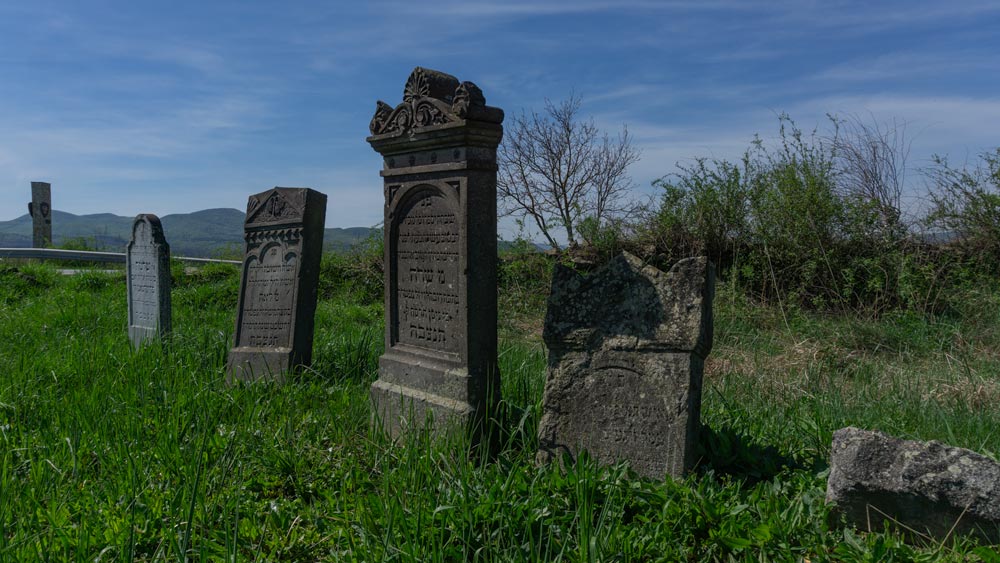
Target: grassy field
(107,454)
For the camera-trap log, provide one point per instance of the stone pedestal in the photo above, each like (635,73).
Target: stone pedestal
(148,281)
(40,210)
(278,285)
(626,352)
(439,152)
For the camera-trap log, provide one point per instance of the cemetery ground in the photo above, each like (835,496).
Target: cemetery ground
(112,454)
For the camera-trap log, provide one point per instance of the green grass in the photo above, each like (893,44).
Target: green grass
(107,454)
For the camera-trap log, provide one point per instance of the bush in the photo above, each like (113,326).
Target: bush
(781,226)
(966,208)
(360,271)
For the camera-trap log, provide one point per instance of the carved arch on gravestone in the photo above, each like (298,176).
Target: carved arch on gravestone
(266,298)
(153,223)
(425,268)
(400,197)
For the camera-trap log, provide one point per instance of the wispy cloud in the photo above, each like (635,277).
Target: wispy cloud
(909,65)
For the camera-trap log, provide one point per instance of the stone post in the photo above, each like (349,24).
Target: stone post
(40,210)
(439,169)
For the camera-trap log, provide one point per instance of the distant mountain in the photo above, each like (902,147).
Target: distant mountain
(206,233)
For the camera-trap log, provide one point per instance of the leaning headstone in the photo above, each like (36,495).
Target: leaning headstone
(40,209)
(439,169)
(627,346)
(278,285)
(928,487)
(148,281)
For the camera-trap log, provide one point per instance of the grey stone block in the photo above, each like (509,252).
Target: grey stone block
(928,487)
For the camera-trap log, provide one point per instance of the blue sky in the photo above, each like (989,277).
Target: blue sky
(167,107)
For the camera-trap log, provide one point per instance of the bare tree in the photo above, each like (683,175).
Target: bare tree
(558,171)
(870,160)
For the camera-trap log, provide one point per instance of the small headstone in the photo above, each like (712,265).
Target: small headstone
(627,346)
(928,487)
(439,169)
(40,209)
(278,285)
(148,281)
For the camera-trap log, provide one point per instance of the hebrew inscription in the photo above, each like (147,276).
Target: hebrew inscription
(269,291)
(427,277)
(617,413)
(143,280)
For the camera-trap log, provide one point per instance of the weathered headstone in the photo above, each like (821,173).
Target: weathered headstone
(626,351)
(148,280)
(40,209)
(928,487)
(278,284)
(439,153)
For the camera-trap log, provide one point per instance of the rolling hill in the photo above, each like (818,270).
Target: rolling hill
(206,233)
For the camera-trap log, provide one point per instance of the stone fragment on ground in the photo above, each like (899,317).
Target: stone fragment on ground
(928,488)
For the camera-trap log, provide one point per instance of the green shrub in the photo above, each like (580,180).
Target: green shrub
(359,270)
(781,226)
(524,275)
(966,206)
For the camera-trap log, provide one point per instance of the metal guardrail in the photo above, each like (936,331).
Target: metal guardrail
(90,256)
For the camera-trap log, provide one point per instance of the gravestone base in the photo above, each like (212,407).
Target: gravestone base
(140,334)
(250,364)
(411,388)
(403,409)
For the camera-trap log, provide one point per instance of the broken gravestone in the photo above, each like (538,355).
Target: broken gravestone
(627,346)
(439,168)
(278,285)
(148,281)
(40,209)
(928,487)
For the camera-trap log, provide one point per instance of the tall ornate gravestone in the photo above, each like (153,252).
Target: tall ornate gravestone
(40,209)
(626,351)
(148,281)
(439,153)
(278,285)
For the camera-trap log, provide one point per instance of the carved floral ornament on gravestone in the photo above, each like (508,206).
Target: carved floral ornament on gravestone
(278,285)
(626,351)
(439,170)
(148,281)
(431,98)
